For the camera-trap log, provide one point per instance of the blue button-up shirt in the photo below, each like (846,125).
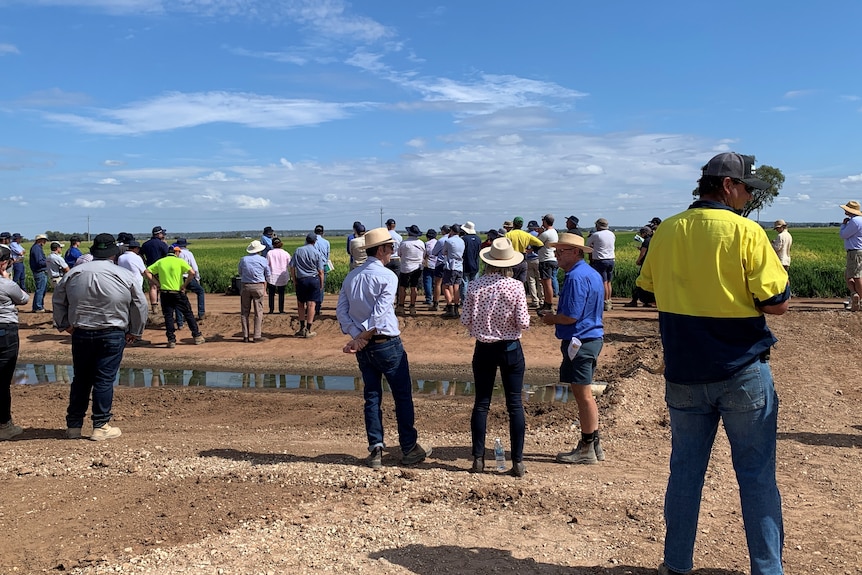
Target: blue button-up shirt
(367,300)
(253,269)
(851,233)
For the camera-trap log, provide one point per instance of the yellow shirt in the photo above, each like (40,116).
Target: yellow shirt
(521,239)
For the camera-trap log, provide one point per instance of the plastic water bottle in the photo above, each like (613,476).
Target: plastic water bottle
(500,455)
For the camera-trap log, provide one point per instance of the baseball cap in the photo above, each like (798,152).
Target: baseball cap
(310,238)
(159,230)
(57,245)
(736,166)
(390,222)
(518,220)
(318,229)
(779,224)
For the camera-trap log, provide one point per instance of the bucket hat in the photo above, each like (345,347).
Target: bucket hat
(255,247)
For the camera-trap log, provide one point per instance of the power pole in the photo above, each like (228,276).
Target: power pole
(381,216)
(88,227)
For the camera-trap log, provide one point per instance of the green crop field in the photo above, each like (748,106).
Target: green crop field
(817,269)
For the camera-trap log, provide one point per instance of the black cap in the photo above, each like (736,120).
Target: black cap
(318,229)
(156,230)
(431,233)
(390,222)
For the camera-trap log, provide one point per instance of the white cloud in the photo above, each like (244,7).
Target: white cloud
(803,197)
(851,98)
(109,182)
(8,49)
(83,203)
(244,202)
(509,140)
(286,163)
(799,93)
(851,179)
(783,109)
(113,163)
(179,110)
(53,97)
(216,177)
(416,143)
(590,170)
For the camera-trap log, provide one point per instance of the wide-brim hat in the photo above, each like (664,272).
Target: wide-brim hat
(40,237)
(377,237)
(779,224)
(572,241)
(853,207)
(104,246)
(182,242)
(469,228)
(255,247)
(414,231)
(501,254)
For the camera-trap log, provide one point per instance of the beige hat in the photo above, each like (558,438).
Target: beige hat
(469,228)
(852,206)
(255,247)
(44,237)
(377,237)
(601,224)
(779,224)
(501,254)
(507,225)
(572,241)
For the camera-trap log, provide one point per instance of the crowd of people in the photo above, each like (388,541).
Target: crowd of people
(715,338)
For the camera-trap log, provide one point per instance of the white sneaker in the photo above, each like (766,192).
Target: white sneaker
(854,302)
(105,432)
(9,430)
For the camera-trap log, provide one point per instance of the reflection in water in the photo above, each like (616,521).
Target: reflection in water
(149,377)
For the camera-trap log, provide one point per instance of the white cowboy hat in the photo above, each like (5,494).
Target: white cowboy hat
(255,247)
(571,241)
(501,254)
(377,237)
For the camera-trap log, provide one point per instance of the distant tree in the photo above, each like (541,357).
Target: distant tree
(762,198)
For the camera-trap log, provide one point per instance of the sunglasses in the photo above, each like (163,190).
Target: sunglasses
(748,188)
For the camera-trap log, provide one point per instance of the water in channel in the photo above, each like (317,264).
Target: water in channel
(30,374)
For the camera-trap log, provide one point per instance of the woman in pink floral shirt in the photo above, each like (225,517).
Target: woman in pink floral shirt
(495,311)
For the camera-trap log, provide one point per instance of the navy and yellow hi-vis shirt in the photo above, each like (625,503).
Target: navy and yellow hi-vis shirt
(711,270)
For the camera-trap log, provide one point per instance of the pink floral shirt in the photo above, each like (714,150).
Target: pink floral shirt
(495,309)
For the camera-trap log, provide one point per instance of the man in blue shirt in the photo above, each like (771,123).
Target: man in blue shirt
(74,252)
(306,271)
(253,270)
(152,251)
(39,267)
(18,252)
(579,325)
(322,245)
(266,239)
(453,252)
(851,233)
(366,312)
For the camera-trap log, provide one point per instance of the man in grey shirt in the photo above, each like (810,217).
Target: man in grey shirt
(103,307)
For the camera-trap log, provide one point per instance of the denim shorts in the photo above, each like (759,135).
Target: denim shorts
(452,277)
(580,370)
(605,269)
(547,270)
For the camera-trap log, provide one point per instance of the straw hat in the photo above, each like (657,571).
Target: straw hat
(501,254)
(852,207)
(779,224)
(571,241)
(377,237)
(255,247)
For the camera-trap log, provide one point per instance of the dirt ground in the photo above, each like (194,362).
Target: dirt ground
(223,481)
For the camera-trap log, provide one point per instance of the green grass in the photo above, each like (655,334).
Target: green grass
(816,270)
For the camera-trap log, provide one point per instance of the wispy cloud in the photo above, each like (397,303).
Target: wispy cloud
(783,109)
(178,110)
(852,179)
(8,49)
(799,94)
(85,203)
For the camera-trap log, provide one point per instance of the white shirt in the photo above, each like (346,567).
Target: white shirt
(602,243)
(134,263)
(412,252)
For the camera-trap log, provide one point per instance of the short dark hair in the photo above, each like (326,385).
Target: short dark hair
(276,243)
(372,252)
(318,229)
(710,185)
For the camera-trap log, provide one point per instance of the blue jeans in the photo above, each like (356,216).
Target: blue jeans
(748,407)
(196,287)
(465,283)
(41,279)
(376,360)
(96,357)
(509,357)
(18,275)
(428,284)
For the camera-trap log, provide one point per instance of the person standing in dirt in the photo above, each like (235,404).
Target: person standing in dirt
(495,311)
(152,251)
(578,324)
(366,312)
(306,271)
(11,296)
(253,270)
(102,305)
(171,276)
(782,243)
(851,233)
(716,353)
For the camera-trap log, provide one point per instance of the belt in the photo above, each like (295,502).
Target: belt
(253,283)
(383,338)
(101,330)
(170,291)
(8,325)
(855,250)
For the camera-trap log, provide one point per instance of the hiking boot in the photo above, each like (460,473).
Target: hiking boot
(597,447)
(73,433)
(375,460)
(631,304)
(449,311)
(854,302)
(518,469)
(415,455)
(172,344)
(309,333)
(434,306)
(545,309)
(399,310)
(456,311)
(609,305)
(200,340)
(260,339)
(665,570)
(9,430)
(584,453)
(478,465)
(412,311)
(203,316)
(105,432)
(300,333)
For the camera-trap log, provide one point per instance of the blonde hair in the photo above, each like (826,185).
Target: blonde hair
(505,272)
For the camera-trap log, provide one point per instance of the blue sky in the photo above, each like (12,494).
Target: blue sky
(205,115)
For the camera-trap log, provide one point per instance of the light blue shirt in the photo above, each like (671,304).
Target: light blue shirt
(367,300)
(307,261)
(454,252)
(322,245)
(851,233)
(253,269)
